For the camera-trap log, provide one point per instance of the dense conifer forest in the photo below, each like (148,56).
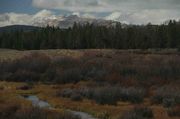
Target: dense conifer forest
(91,36)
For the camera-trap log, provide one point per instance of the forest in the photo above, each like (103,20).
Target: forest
(91,36)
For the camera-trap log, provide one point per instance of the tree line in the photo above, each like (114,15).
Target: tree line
(92,36)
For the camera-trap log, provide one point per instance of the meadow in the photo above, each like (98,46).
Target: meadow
(108,84)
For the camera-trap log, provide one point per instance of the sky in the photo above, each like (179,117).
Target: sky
(28,12)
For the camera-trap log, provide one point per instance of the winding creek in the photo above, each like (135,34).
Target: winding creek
(43,104)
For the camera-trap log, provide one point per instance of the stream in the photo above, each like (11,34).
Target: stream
(43,104)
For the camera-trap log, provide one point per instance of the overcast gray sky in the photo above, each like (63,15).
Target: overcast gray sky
(127,11)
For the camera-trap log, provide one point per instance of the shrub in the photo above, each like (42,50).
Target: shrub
(1,88)
(76,97)
(94,69)
(34,62)
(167,95)
(65,62)
(111,95)
(39,67)
(15,111)
(68,115)
(75,93)
(7,111)
(134,95)
(174,112)
(178,48)
(66,93)
(169,102)
(37,113)
(128,71)
(24,76)
(50,75)
(104,115)
(6,76)
(8,66)
(106,95)
(65,69)
(72,75)
(28,68)
(138,113)
(31,113)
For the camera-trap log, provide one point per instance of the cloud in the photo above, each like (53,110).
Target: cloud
(89,15)
(85,15)
(106,5)
(128,11)
(69,5)
(76,13)
(4,17)
(41,18)
(155,16)
(26,19)
(47,17)
(43,14)
(13,18)
(114,16)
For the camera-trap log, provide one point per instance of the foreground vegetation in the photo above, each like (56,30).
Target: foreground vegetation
(109,84)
